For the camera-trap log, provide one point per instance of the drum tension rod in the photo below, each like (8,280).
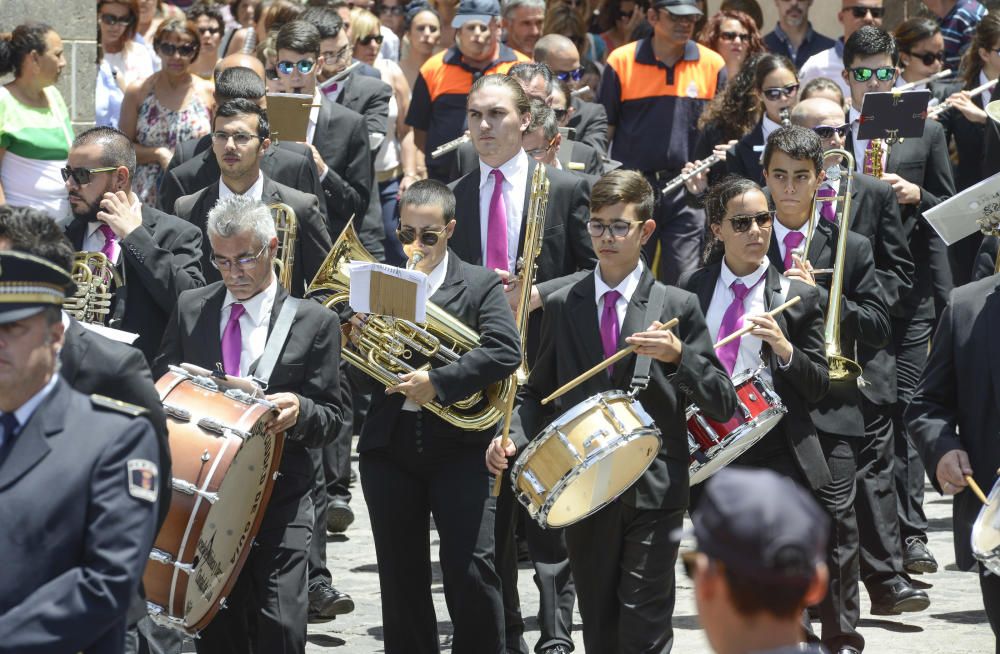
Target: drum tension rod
(186,487)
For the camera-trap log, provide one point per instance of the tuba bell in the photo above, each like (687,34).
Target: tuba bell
(96,280)
(387,347)
(287,227)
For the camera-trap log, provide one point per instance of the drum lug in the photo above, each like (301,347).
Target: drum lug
(158,615)
(241,396)
(222,604)
(186,487)
(211,425)
(599,435)
(535,484)
(177,413)
(568,445)
(612,418)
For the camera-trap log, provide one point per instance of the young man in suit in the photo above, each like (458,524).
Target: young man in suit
(414,464)
(157,254)
(228,324)
(891,521)
(622,556)
(240,138)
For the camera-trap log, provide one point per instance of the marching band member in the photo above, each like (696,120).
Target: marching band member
(415,465)
(621,556)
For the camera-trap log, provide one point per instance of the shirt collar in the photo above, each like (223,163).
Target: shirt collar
(436,277)
(853,115)
(728,276)
(453,57)
(259,305)
(644,53)
(136,207)
(783,36)
(25,411)
(768,126)
(780,231)
(626,287)
(510,169)
(256,191)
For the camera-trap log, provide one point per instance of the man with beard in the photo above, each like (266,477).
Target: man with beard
(157,254)
(522,22)
(793,36)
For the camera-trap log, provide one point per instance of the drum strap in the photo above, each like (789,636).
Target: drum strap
(276,341)
(654,309)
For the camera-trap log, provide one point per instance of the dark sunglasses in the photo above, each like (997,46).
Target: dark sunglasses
(882,74)
(210,30)
(560,114)
(732,36)
(408,235)
(576,75)
(827,131)
(81,176)
(618,228)
(305,66)
(742,223)
(392,11)
(367,40)
(779,92)
(861,12)
(169,49)
(928,58)
(111,20)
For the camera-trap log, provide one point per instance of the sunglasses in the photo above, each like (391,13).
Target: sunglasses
(538,153)
(239,138)
(367,40)
(81,176)
(429,238)
(779,92)
(305,66)
(111,20)
(392,11)
(882,74)
(210,30)
(928,58)
(243,263)
(169,49)
(732,36)
(827,131)
(617,228)
(560,114)
(861,12)
(576,75)
(742,223)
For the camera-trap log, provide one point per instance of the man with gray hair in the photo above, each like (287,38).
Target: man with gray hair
(589,120)
(230,324)
(544,142)
(522,24)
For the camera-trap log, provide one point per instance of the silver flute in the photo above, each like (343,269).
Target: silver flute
(683,177)
(979,90)
(451,145)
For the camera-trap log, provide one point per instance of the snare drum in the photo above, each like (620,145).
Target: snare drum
(713,445)
(986,532)
(224,467)
(585,459)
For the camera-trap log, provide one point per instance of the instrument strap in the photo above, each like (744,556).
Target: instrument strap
(276,341)
(654,309)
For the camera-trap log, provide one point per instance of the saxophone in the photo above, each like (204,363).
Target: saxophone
(96,280)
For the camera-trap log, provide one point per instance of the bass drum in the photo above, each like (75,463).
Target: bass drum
(224,467)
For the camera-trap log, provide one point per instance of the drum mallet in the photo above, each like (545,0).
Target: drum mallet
(977,490)
(749,328)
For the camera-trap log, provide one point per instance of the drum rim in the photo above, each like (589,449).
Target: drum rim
(990,559)
(779,410)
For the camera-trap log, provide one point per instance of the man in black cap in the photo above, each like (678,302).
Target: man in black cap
(759,562)
(65,589)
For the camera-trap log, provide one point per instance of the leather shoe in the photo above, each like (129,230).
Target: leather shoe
(917,558)
(555,649)
(326,603)
(901,597)
(339,516)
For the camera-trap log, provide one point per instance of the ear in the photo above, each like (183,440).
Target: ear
(846,75)
(525,121)
(818,585)
(648,228)
(265,144)
(122,180)
(449,229)
(272,247)
(716,230)
(57,334)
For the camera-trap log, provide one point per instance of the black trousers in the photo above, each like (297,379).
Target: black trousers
(418,476)
(623,563)
(989,584)
(680,232)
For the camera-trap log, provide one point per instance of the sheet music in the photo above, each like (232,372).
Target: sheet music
(362,284)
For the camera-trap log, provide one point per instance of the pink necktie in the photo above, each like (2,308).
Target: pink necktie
(496,229)
(792,241)
(232,341)
(732,321)
(609,325)
(109,242)
(826,210)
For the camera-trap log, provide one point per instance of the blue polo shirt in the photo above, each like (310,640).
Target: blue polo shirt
(814,42)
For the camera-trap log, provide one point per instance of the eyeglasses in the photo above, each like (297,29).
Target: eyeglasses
(367,40)
(928,58)
(861,12)
(742,223)
(331,57)
(243,263)
(827,131)
(210,30)
(81,176)
(560,114)
(305,66)
(576,75)
(393,11)
(538,153)
(239,138)
(112,20)
(779,92)
(617,228)
(169,49)
(428,237)
(732,36)
(882,74)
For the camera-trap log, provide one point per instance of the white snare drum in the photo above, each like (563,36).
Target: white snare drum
(585,459)
(986,532)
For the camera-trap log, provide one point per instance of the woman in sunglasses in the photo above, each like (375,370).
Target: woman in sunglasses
(35,128)
(734,35)
(921,50)
(170,106)
(123,57)
(209,22)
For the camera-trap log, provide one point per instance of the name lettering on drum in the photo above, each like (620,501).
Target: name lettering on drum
(209,568)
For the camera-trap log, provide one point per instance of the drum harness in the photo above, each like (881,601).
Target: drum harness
(640,374)
(275,342)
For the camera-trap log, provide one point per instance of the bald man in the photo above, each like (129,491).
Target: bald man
(589,120)
(239,60)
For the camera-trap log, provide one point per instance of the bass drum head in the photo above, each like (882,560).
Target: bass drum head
(602,478)
(736,443)
(986,533)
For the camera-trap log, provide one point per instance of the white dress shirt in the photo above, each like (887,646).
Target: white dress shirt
(768,127)
(626,287)
(987,96)
(829,64)
(314,115)
(434,280)
(780,231)
(753,305)
(256,191)
(515,186)
(94,240)
(253,323)
(24,412)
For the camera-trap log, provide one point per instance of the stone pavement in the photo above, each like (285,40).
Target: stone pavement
(955,623)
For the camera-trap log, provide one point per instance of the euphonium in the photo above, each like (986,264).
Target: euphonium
(389,346)
(287,226)
(96,281)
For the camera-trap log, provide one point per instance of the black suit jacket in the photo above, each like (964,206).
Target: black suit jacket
(160,259)
(986,258)
(475,297)
(806,379)
(369,97)
(956,404)
(571,343)
(311,244)
(308,366)
(744,158)
(590,124)
(969,139)
(991,148)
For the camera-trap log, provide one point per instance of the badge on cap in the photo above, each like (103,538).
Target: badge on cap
(142,479)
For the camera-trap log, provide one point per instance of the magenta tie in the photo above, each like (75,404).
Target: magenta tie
(826,210)
(732,321)
(792,241)
(232,341)
(109,242)
(609,325)
(496,229)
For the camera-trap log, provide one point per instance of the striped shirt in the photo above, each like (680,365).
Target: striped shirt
(957,28)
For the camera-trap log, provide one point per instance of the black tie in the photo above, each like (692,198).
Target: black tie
(9,423)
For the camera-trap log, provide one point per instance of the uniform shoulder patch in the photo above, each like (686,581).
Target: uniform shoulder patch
(104,402)
(142,479)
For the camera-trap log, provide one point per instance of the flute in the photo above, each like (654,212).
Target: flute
(936,76)
(453,144)
(979,90)
(683,177)
(580,91)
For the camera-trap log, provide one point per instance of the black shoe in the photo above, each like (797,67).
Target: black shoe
(353,479)
(901,597)
(555,649)
(326,603)
(339,516)
(917,558)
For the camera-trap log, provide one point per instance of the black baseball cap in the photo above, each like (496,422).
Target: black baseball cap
(761,525)
(28,284)
(479,10)
(679,7)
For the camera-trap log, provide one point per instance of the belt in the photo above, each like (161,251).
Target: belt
(383,176)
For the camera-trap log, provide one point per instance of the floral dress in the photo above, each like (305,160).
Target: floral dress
(158,126)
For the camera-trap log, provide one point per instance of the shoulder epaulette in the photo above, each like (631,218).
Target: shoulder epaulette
(104,402)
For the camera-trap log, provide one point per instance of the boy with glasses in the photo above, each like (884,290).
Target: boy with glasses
(793,36)
(829,63)
(589,120)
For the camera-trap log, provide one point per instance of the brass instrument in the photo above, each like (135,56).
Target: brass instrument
(534,225)
(785,116)
(878,145)
(389,346)
(96,280)
(453,144)
(287,226)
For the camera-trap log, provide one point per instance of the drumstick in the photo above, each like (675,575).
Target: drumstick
(749,328)
(508,413)
(611,360)
(977,490)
